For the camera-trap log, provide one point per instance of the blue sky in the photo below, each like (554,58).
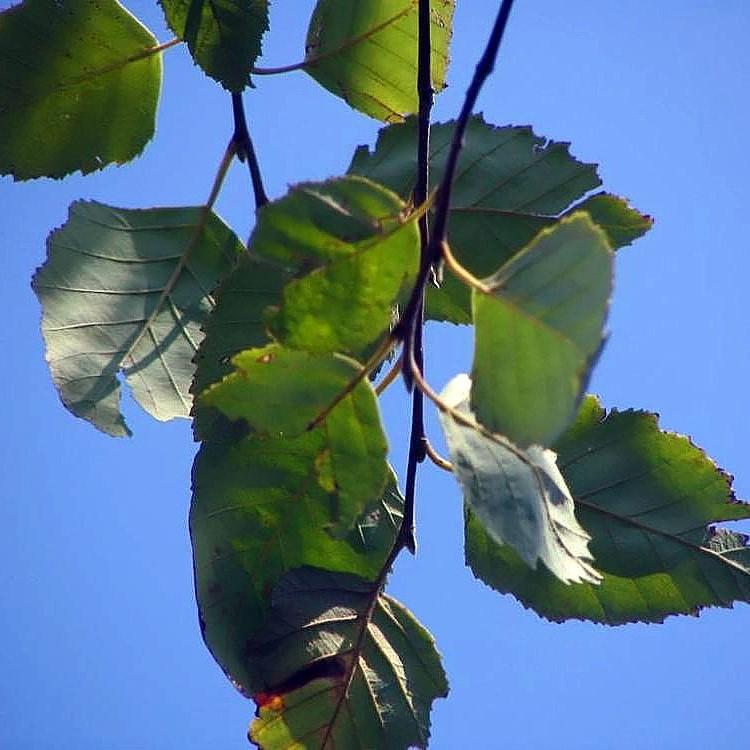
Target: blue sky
(99,639)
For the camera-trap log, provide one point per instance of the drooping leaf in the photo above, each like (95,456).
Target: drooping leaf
(345,666)
(648,499)
(366,52)
(519,497)
(539,329)
(79,87)
(224,36)
(120,293)
(353,250)
(510,185)
(270,496)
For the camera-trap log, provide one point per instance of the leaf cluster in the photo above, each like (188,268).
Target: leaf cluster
(274,348)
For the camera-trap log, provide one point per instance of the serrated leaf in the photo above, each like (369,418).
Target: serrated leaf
(519,497)
(224,36)
(265,503)
(65,69)
(539,329)
(648,499)
(354,251)
(366,52)
(345,667)
(119,294)
(510,184)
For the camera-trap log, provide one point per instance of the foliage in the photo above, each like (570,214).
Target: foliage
(275,350)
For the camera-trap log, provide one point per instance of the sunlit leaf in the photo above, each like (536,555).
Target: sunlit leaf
(224,36)
(648,499)
(539,329)
(78,87)
(344,667)
(119,293)
(266,502)
(519,497)
(353,251)
(510,184)
(366,52)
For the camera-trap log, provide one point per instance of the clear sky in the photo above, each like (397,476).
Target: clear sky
(99,640)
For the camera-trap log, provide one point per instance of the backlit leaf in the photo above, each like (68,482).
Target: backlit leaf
(78,87)
(519,497)
(539,329)
(119,293)
(649,500)
(224,36)
(353,251)
(366,52)
(347,668)
(510,185)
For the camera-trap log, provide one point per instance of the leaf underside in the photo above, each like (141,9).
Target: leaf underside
(114,300)
(510,184)
(519,497)
(223,36)
(649,500)
(65,69)
(346,668)
(366,53)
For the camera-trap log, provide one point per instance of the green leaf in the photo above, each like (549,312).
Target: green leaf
(66,69)
(265,503)
(121,290)
(346,667)
(510,185)
(366,53)
(237,321)
(539,330)
(648,499)
(519,497)
(354,250)
(224,36)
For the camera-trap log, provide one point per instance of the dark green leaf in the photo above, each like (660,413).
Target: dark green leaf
(121,292)
(366,52)
(357,251)
(518,496)
(510,185)
(224,36)
(648,499)
(78,87)
(265,503)
(346,667)
(539,329)
(237,321)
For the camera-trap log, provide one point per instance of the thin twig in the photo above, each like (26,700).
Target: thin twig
(405,328)
(246,150)
(417,438)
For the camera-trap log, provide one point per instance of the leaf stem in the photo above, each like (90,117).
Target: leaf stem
(390,376)
(436,458)
(461,273)
(380,354)
(246,151)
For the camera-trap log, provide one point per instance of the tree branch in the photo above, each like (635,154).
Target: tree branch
(405,330)
(417,438)
(246,151)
